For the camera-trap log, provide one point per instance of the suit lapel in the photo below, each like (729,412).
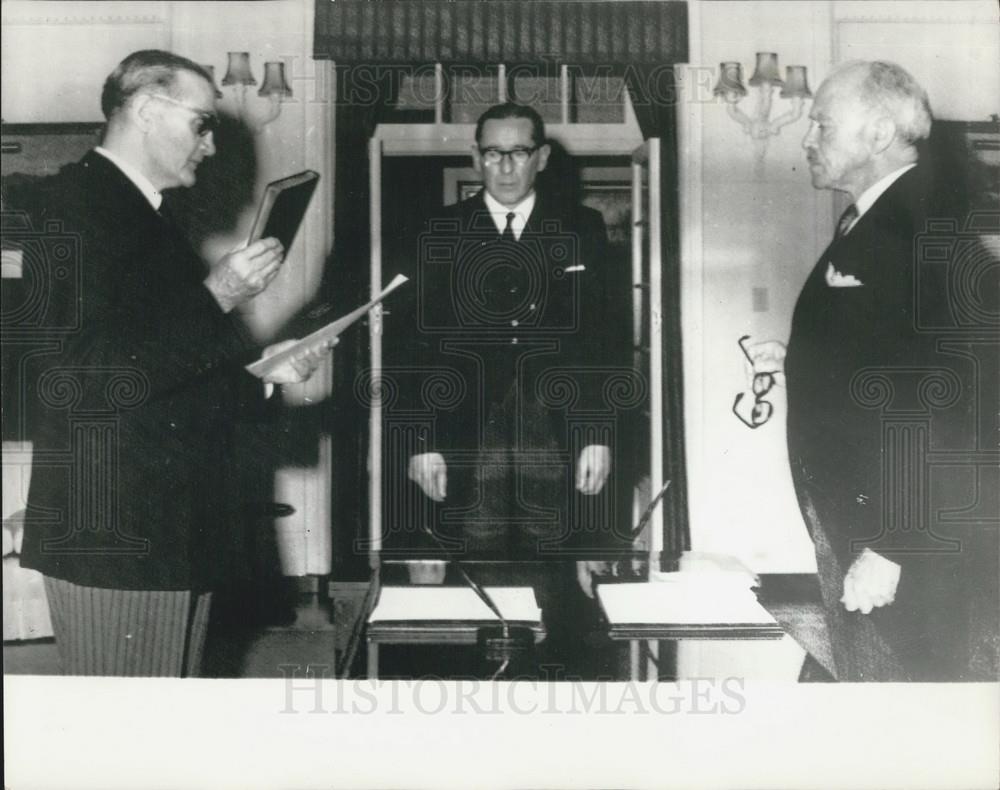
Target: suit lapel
(140,223)
(893,213)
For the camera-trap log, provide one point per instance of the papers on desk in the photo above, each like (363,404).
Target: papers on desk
(687,604)
(412,604)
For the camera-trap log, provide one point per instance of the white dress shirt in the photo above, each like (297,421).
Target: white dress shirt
(867,198)
(499,213)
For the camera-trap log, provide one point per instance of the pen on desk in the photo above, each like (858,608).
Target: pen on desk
(479,591)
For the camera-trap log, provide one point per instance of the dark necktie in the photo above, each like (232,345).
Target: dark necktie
(846,219)
(508,231)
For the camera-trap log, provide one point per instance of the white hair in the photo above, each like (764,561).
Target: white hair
(888,87)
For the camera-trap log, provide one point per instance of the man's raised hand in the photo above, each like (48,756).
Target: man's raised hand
(242,274)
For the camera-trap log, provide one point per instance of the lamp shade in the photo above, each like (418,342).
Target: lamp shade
(730,84)
(766,72)
(211,73)
(238,70)
(796,85)
(274,81)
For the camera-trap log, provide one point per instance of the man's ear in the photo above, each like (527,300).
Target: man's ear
(882,134)
(141,109)
(543,156)
(477,159)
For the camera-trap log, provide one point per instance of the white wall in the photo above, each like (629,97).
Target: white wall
(301,137)
(759,238)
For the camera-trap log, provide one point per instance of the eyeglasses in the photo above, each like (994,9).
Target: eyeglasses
(519,155)
(763,383)
(206,123)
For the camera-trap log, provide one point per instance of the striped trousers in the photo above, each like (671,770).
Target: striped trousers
(128,633)
(860,653)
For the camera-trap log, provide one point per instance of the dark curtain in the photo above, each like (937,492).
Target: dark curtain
(500,31)
(653,92)
(361,104)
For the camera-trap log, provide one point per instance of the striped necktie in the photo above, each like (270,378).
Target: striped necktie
(846,220)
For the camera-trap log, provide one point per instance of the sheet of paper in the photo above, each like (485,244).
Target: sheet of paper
(454,603)
(684,598)
(262,367)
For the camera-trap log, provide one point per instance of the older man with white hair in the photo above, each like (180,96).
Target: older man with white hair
(898,580)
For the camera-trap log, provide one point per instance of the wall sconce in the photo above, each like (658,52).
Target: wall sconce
(760,126)
(275,88)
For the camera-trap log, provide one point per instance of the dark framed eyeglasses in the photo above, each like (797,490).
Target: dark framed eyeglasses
(519,156)
(205,122)
(763,383)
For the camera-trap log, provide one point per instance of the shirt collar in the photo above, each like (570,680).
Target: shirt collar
(499,213)
(867,198)
(143,184)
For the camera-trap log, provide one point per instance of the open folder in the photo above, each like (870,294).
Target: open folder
(265,365)
(687,604)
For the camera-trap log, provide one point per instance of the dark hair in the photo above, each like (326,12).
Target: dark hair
(144,69)
(501,112)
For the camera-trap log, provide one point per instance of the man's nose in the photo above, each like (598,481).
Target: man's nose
(809,140)
(208,143)
(506,163)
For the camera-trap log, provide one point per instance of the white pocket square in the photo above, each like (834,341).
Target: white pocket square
(575,268)
(835,279)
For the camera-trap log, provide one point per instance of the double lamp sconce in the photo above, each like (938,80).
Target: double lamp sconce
(760,126)
(275,88)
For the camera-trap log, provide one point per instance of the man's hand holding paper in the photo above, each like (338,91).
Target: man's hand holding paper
(301,349)
(301,365)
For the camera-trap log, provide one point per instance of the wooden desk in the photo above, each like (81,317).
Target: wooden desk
(642,642)
(430,632)
(440,615)
(793,600)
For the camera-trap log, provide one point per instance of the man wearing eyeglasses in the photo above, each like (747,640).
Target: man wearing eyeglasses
(132,518)
(518,313)
(905,563)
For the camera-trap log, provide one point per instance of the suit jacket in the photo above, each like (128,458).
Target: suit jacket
(870,394)
(514,347)
(134,400)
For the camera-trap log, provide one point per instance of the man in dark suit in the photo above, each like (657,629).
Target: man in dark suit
(511,363)
(866,405)
(131,513)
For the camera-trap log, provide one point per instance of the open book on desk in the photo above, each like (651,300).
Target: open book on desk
(265,365)
(687,605)
(454,604)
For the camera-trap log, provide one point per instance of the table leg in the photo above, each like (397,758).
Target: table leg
(372,660)
(633,658)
